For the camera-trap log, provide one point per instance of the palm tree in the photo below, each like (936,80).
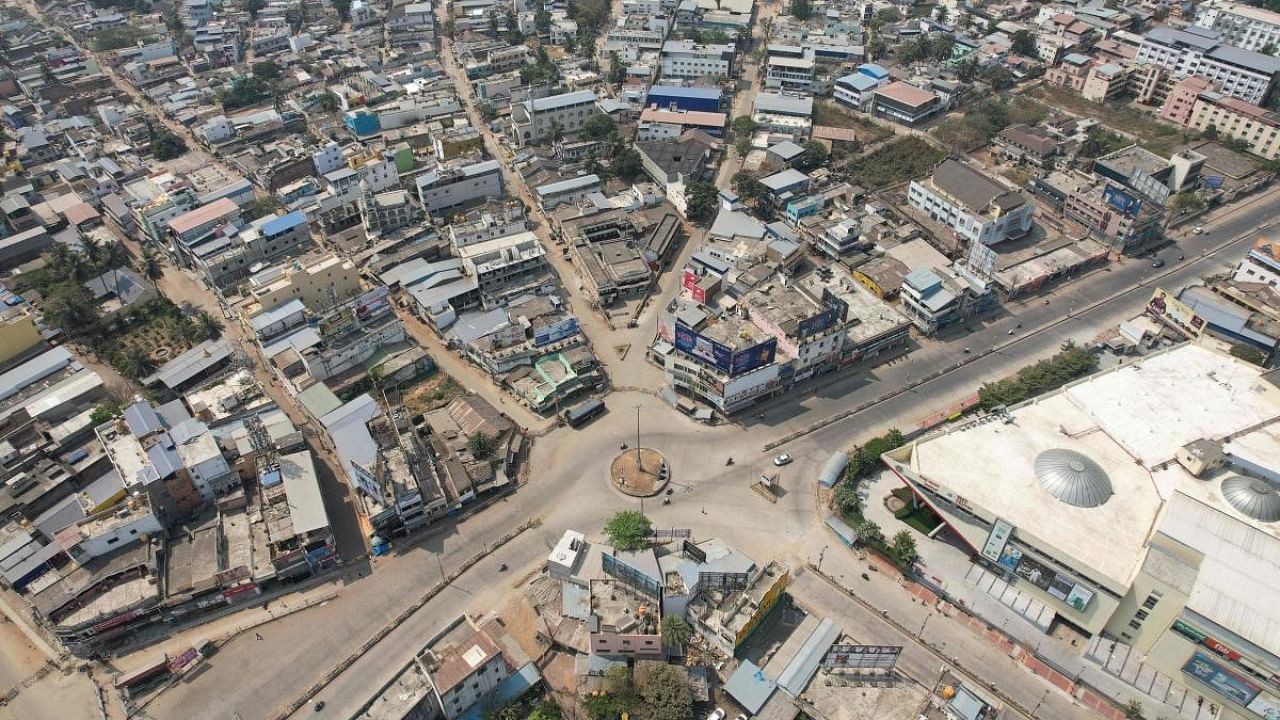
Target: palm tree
(153,269)
(210,326)
(675,631)
(137,363)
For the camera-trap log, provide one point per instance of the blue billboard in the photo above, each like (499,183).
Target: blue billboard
(756,357)
(1206,670)
(1121,200)
(1212,182)
(722,357)
(817,323)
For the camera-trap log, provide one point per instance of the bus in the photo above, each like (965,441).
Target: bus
(582,413)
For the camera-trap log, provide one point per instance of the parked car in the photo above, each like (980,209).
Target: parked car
(783,459)
(717,714)
(1157,263)
(1198,231)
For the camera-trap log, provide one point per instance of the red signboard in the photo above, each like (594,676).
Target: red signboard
(691,280)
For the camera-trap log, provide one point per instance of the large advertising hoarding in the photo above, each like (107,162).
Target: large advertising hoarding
(1233,686)
(1122,201)
(722,357)
(372,304)
(817,323)
(1173,312)
(862,657)
(367,483)
(690,283)
(1059,585)
(1266,705)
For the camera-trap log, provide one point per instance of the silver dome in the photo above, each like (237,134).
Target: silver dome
(1073,478)
(1253,497)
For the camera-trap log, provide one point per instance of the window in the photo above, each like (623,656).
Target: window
(113,541)
(1135,624)
(1150,602)
(1141,614)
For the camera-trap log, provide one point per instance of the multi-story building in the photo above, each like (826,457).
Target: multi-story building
(687,59)
(455,184)
(318,282)
(1244,26)
(904,103)
(790,68)
(504,265)
(637,33)
(1233,118)
(693,99)
(1109,211)
(973,205)
(228,255)
(1261,265)
(538,120)
(1234,71)
(1055,499)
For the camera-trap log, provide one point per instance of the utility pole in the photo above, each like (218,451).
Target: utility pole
(639,461)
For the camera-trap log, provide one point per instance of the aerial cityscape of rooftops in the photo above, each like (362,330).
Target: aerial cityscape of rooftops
(639,359)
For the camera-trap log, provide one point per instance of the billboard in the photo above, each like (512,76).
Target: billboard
(690,282)
(1173,312)
(1212,182)
(1121,200)
(1010,557)
(372,304)
(997,540)
(367,483)
(1063,587)
(722,357)
(817,323)
(1206,670)
(862,657)
(753,358)
(551,332)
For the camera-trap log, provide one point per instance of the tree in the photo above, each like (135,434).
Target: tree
(487,111)
(244,91)
(702,199)
(136,363)
(253,6)
(1249,354)
(1024,43)
(666,693)
(869,533)
(480,445)
(943,45)
(903,550)
(327,102)
(617,68)
(997,76)
(747,186)
(847,499)
(886,16)
(104,413)
(268,70)
(967,70)
(120,36)
(599,127)
(801,9)
(743,125)
(546,710)
(70,307)
(628,530)
(1185,202)
(628,165)
(152,269)
(259,206)
(343,8)
(210,327)
(165,145)
(815,155)
(675,631)
(1132,710)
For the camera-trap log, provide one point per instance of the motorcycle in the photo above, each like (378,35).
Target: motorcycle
(728,462)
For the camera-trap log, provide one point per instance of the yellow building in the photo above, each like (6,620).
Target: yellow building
(318,282)
(1235,118)
(18,334)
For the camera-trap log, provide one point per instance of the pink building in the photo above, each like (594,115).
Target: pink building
(1181,100)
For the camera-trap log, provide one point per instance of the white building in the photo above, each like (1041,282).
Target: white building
(452,186)
(538,120)
(1241,25)
(974,206)
(791,71)
(1261,265)
(686,59)
(328,158)
(1234,71)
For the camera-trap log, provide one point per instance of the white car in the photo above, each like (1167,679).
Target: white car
(1198,231)
(783,459)
(741,716)
(717,714)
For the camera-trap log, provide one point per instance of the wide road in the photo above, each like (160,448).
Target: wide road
(569,490)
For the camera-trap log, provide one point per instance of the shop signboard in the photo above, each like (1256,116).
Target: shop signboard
(1079,597)
(1010,557)
(1035,573)
(996,541)
(690,282)
(1266,705)
(1235,688)
(373,303)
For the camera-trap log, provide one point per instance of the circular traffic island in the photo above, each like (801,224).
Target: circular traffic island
(639,473)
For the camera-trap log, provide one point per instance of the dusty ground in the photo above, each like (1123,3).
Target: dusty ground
(436,391)
(638,481)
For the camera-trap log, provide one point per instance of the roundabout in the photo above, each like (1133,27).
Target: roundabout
(639,472)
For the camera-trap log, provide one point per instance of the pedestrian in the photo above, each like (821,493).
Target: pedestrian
(258,635)
(704,511)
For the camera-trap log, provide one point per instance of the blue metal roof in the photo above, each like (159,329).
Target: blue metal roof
(164,458)
(37,368)
(277,225)
(142,419)
(516,685)
(874,70)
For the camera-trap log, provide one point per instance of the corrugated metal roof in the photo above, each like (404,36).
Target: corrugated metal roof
(34,370)
(142,419)
(750,687)
(795,678)
(302,488)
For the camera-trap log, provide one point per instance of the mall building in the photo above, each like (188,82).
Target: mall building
(1141,505)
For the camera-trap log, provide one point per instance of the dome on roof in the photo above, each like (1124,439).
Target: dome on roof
(1253,497)
(1073,478)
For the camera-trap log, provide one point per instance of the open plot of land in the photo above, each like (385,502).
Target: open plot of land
(1156,136)
(832,115)
(431,391)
